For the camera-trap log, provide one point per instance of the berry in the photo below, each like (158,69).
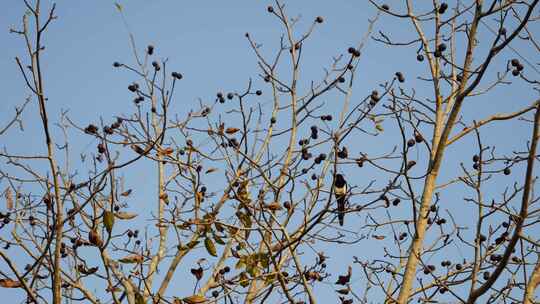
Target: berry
(258,92)
(400,77)
(476,158)
(443,7)
(515,73)
(420,57)
(385,7)
(230,96)
(150,50)
(441,47)
(273,120)
(418,137)
(341,79)
(319,19)
(176,75)
(411,142)
(514,62)
(270,9)
(156,65)
(507,171)
(117,64)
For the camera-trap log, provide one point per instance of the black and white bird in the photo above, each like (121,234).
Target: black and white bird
(340,192)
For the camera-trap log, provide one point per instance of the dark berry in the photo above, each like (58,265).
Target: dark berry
(319,19)
(514,62)
(420,57)
(385,7)
(441,47)
(443,7)
(258,92)
(117,64)
(270,9)
(507,171)
(150,50)
(400,77)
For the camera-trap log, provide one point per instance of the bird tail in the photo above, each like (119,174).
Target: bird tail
(341,210)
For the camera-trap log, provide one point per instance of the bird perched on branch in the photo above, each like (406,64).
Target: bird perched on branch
(340,192)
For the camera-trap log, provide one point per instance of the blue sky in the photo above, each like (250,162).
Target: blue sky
(204,40)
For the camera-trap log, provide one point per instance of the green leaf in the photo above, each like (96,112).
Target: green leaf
(244,280)
(118,6)
(218,239)
(108,220)
(210,246)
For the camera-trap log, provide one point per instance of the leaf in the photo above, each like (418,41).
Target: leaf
(126,193)
(231,130)
(240,264)
(210,246)
(244,280)
(9,199)
(108,220)
(139,299)
(274,206)
(131,259)
(379,128)
(125,215)
(9,283)
(118,6)
(211,170)
(195,299)
(378,237)
(94,239)
(344,279)
(218,239)
(166,151)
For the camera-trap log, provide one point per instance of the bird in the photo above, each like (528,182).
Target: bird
(340,192)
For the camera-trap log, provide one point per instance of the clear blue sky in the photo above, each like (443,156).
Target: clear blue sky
(204,40)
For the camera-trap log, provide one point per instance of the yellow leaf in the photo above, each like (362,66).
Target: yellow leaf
(9,283)
(195,299)
(231,130)
(210,246)
(131,259)
(126,193)
(125,215)
(9,199)
(166,151)
(108,220)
